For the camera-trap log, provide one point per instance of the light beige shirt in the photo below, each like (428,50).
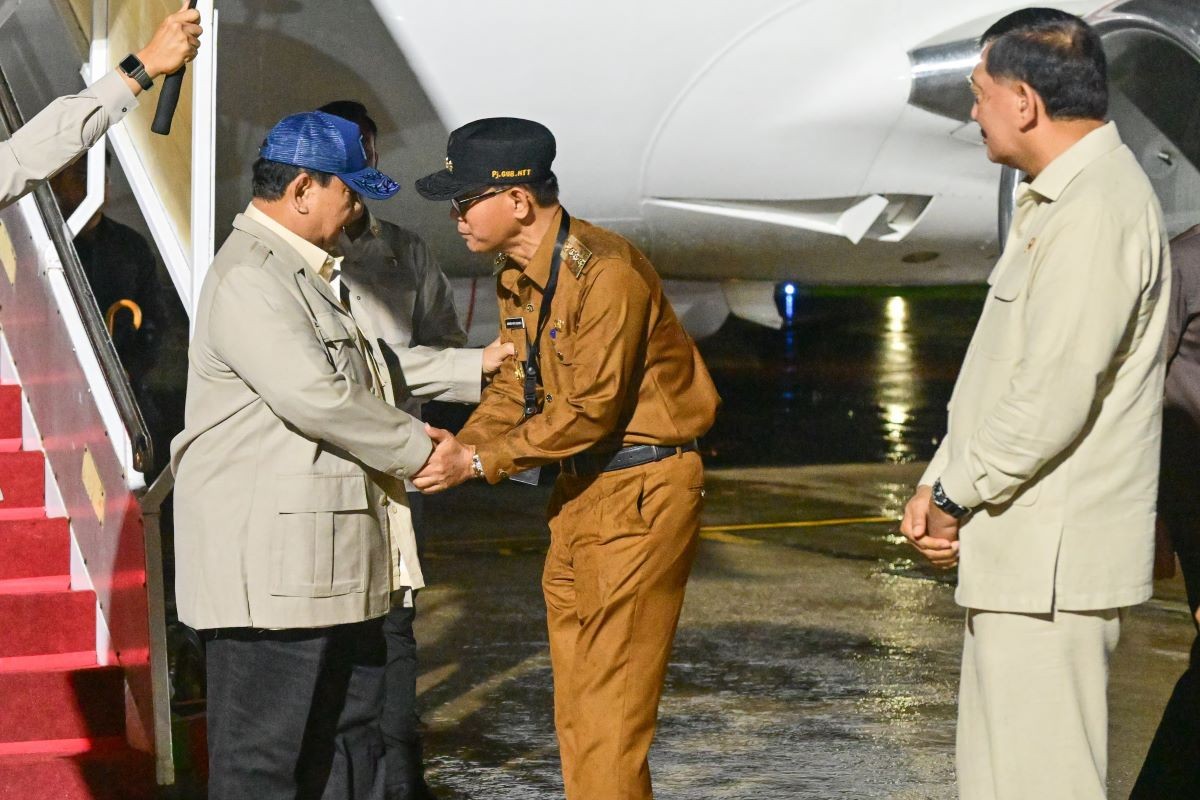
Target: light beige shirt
(59,133)
(1055,420)
(401,301)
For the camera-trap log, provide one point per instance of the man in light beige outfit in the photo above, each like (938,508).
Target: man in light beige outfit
(1045,484)
(290,485)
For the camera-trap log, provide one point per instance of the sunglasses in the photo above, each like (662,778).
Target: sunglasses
(462,204)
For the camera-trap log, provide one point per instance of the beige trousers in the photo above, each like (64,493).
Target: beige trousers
(1032,705)
(621,547)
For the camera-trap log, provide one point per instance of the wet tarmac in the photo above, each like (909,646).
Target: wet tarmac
(812,660)
(815,658)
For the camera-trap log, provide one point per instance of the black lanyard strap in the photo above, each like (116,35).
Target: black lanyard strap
(533,376)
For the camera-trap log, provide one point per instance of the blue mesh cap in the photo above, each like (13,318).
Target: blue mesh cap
(325,143)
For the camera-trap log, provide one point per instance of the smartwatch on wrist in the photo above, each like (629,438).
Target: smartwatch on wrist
(132,66)
(945,503)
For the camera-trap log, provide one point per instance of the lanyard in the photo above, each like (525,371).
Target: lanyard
(533,377)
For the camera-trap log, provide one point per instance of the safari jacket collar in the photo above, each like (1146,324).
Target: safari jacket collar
(272,233)
(315,258)
(1057,176)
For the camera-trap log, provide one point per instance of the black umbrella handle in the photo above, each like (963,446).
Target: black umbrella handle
(168,98)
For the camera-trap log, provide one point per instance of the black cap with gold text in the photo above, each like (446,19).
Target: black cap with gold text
(498,151)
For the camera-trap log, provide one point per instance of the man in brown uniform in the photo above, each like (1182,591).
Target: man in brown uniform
(610,385)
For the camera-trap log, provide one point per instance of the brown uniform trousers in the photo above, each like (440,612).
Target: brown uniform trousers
(621,547)
(618,370)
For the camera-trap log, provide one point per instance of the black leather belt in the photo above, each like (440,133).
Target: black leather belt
(632,456)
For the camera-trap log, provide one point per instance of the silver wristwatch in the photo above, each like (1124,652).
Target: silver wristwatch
(943,501)
(476,466)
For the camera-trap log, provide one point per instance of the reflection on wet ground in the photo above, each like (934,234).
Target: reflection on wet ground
(858,379)
(811,662)
(815,658)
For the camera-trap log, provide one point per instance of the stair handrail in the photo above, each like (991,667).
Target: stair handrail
(151,501)
(11,120)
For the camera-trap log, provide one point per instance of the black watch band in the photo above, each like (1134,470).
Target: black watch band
(942,501)
(132,66)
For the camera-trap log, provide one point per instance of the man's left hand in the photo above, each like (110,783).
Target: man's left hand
(448,466)
(933,532)
(940,529)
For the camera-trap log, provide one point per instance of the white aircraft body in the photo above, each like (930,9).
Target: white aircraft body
(745,147)
(740,145)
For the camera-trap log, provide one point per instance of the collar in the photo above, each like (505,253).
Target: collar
(1057,176)
(538,268)
(314,257)
(352,247)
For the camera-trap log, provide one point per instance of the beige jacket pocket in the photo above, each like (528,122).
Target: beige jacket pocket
(1000,333)
(319,538)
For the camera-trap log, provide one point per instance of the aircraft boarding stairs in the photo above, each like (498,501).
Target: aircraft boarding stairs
(62,712)
(85,707)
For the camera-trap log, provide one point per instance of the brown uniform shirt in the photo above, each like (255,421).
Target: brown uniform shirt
(618,368)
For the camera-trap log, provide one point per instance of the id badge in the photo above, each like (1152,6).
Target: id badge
(528,477)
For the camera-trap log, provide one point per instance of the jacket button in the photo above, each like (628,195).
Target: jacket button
(549,398)
(502,474)
(529,307)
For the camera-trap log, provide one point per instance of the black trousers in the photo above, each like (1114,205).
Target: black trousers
(400,722)
(1172,767)
(294,714)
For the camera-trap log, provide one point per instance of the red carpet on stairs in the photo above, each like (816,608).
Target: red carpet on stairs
(62,715)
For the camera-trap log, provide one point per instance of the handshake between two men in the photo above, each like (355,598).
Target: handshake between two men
(450,463)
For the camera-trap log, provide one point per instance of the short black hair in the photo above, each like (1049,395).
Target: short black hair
(545,192)
(271,178)
(1056,53)
(353,111)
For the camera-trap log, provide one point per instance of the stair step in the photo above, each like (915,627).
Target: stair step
(34,548)
(44,623)
(10,411)
(53,661)
(41,584)
(23,479)
(18,513)
(108,773)
(45,705)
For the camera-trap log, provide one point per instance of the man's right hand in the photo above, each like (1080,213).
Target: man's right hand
(494,356)
(940,548)
(174,43)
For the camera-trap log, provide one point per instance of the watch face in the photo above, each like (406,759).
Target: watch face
(130,64)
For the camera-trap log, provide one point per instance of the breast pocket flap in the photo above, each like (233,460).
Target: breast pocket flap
(1009,282)
(299,494)
(332,328)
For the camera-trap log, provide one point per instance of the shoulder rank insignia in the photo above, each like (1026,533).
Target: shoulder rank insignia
(499,263)
(578,254)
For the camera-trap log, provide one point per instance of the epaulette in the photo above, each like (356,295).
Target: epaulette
(259,253)
(577,255)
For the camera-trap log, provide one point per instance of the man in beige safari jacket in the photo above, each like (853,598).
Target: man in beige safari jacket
(1045,484)
(290,474)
